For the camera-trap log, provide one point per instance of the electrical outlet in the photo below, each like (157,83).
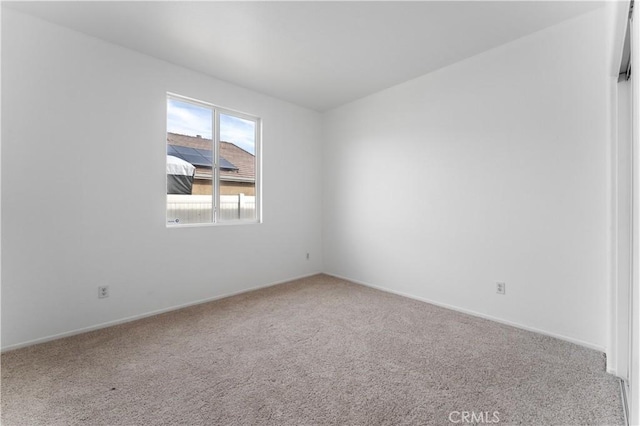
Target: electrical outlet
(500,288)
(103,291)
(307,256)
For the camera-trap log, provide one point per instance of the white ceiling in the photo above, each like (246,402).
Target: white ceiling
(316,54)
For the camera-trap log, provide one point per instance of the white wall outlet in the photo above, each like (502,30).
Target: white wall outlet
(501,288)
(103,291)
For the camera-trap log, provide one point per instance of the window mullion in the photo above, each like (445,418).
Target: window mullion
(216,165)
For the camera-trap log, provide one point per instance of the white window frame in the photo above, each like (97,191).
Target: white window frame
(215,178)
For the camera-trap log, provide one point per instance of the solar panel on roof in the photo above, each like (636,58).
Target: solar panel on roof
(224,164)
(196,160)
(198,157)
(185,150)
(206,153)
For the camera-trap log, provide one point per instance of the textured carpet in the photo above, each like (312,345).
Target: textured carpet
(316,351)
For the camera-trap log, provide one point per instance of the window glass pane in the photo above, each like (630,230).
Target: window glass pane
(237,168)
(189,162)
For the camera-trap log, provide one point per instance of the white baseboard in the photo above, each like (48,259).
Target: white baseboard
(475,314)
(144,315)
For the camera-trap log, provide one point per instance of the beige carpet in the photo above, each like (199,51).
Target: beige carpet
(317,351)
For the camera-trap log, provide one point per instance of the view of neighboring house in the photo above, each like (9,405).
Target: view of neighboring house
(237,166)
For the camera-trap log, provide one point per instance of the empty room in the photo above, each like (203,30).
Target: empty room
(319,213)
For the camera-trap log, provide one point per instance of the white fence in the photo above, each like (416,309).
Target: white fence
(198,208)
(233,207)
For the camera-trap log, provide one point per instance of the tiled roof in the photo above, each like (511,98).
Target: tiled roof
(243,160)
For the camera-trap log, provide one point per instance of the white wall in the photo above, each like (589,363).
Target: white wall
(83,184)
(496,168)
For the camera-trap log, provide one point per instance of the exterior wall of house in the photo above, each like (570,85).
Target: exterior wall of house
(235,188)
(203,187)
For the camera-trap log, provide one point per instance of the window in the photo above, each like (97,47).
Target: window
(213,164)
